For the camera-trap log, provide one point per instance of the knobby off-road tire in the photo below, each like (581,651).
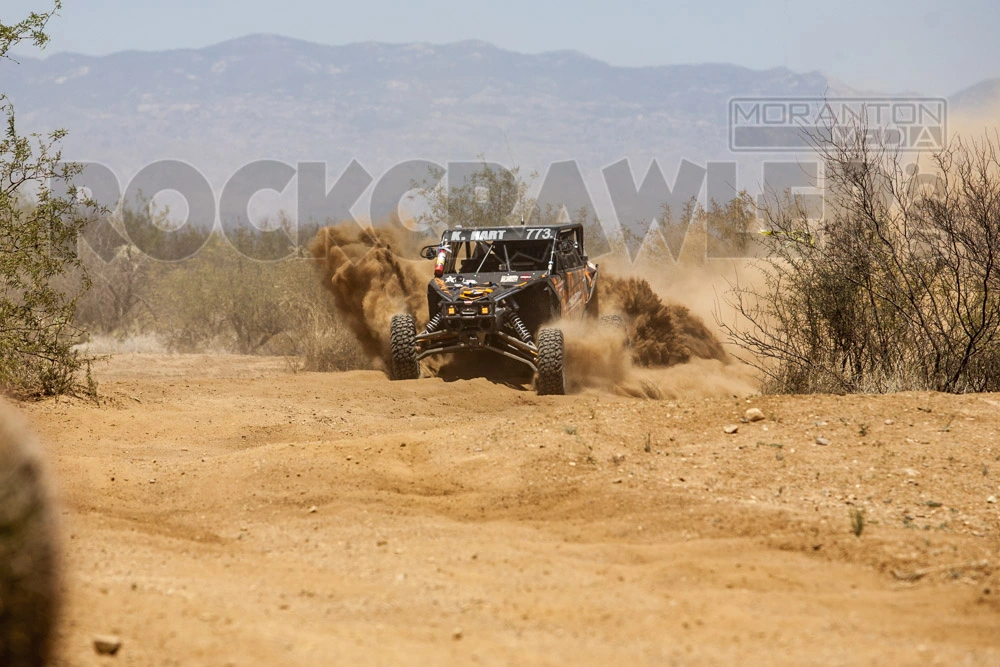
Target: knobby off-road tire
(403,364)
(551,363)
(28,559)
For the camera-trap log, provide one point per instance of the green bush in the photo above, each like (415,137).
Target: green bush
(41,276)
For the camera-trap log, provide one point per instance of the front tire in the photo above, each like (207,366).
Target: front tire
(551,363)
(403,364)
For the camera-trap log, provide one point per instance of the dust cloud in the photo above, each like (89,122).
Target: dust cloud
(665,352)
(661,334)
(369,281)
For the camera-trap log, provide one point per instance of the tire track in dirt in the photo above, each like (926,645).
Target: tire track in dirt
(540,527)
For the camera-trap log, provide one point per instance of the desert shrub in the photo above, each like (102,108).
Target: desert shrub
(218,299)
(729,227)
(317,338)
(897,287)
(41,276)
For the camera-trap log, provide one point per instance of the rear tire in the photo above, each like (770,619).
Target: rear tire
(403,364)
(551,363)
(615,324)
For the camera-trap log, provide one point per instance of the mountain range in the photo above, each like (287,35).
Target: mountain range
(270,97)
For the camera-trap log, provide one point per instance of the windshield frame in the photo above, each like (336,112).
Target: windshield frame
(493,249)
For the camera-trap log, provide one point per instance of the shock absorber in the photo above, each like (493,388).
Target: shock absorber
(433,325)
(518,326)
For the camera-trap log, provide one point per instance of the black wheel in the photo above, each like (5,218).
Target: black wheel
(403,363)
(551,363)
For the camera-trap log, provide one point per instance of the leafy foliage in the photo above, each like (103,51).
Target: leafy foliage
(31,29)
(38,238)
(490,197)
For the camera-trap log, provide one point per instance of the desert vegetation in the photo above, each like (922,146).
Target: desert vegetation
(895,287)
(217,299)
(39,227)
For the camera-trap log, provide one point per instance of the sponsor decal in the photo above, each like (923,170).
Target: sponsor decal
(526,276)
(506,280)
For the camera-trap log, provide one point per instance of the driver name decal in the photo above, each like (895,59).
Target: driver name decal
(479,235)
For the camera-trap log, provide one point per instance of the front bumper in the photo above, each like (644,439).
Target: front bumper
(479,326)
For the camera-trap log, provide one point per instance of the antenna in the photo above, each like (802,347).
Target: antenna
(513,163)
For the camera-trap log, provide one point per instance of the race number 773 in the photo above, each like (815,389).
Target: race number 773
(535,234)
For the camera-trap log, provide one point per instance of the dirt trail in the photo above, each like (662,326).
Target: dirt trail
(219,510)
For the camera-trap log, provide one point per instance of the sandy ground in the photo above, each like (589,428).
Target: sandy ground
(223,510)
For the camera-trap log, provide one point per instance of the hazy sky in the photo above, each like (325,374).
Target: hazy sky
(886,45)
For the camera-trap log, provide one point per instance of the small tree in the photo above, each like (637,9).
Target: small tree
(38,239)
(493,197)
(490,197)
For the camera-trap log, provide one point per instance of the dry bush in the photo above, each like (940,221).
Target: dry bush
(896,288)
(219,299)
(317,337)
(41,276)
(122,273)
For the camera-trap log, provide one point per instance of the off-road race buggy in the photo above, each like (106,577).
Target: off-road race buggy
(494,290)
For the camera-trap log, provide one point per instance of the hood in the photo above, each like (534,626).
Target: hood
(493,286)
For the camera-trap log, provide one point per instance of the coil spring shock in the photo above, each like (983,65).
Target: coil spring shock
(518,326)
(433,325)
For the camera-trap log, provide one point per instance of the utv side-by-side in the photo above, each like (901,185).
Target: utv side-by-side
(494,289)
